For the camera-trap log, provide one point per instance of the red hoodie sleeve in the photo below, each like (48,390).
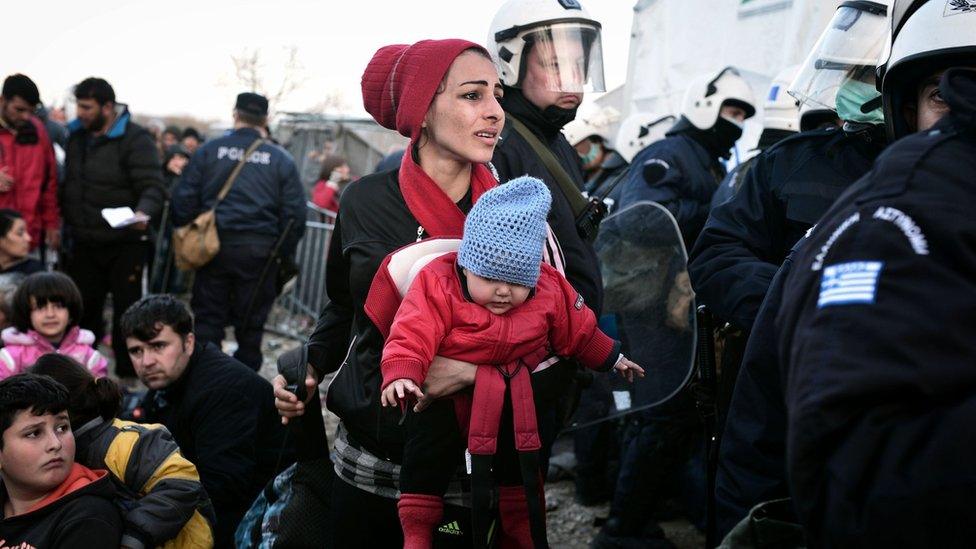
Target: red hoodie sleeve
(574,330)
(420,325)
(48,201)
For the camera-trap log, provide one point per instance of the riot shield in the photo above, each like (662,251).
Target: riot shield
(648,305)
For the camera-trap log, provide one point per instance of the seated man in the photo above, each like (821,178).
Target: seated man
(220,412)
(48,499)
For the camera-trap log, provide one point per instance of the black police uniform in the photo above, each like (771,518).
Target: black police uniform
(752,455)
(877,330)
(691,176)
(787,188)
(264,198)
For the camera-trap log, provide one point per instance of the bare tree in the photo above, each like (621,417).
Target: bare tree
(333,101)
(250,73)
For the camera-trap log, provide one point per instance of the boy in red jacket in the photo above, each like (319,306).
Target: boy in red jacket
(493,303)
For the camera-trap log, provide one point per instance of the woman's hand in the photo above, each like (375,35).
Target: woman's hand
(286,402)
(397,390)
(445,377)
(628,368)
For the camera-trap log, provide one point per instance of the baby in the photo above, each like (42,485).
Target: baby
(494,304)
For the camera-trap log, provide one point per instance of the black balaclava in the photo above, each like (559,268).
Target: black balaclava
(717,140)
(549,120)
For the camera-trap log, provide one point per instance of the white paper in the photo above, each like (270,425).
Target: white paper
(621,400)
(122,217)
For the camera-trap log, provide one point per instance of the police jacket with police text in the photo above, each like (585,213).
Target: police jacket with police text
(877,335)
(690,179)
(266,195)
(786,189)
(119,168)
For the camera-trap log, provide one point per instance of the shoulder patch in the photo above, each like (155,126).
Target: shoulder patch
(907,225)
(849,283)
(579,302)
(841,229)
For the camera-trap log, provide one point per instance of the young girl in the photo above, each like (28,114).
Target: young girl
(166,506)
(491,303)
(46,309)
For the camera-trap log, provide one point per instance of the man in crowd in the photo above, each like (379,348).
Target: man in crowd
(112,162)
(28,170)
(220,412)
(259,221)
(191,140)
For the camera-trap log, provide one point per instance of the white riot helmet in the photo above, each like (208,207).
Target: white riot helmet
(781,110)
(839,73)
(928,37)
(706,95)
(592,124)
(566,35)
(639,130)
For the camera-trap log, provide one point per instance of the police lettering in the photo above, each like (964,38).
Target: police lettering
(235,154)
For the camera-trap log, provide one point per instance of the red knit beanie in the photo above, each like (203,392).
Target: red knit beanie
(400,81)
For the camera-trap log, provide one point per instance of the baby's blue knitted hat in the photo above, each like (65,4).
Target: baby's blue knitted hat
(505,231)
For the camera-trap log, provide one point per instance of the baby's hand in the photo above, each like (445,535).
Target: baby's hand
(627,368)
(395,392)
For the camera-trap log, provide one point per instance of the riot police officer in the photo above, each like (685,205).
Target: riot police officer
(686,163)
(548,54)
(746,239)
(877,323)
(781,119)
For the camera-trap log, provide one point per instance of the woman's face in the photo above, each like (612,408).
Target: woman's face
(16,243)
(38,452)
(465,118)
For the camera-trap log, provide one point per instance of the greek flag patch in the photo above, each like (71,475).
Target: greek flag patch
(849,283)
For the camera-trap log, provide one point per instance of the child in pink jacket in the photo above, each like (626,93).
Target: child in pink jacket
(46,309)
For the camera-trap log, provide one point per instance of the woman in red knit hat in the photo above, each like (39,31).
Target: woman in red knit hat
(443,95)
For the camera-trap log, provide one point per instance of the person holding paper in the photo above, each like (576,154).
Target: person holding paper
(111,163)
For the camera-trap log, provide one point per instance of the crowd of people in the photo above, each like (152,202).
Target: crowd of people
(469,321)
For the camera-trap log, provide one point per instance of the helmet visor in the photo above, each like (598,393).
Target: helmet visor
(848,50)
(563,57)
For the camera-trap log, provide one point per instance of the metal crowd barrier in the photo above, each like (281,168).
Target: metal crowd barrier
(295,311)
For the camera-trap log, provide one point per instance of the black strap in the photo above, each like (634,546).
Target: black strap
(529,464)
(483,521)
(577,202)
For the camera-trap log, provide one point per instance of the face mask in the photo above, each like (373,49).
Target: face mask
(737,124)
(590,156)
(851,96)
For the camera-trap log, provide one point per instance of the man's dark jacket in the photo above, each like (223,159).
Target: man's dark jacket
(222,416)
(119,168)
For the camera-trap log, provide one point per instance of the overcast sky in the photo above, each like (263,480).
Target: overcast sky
(174,56)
